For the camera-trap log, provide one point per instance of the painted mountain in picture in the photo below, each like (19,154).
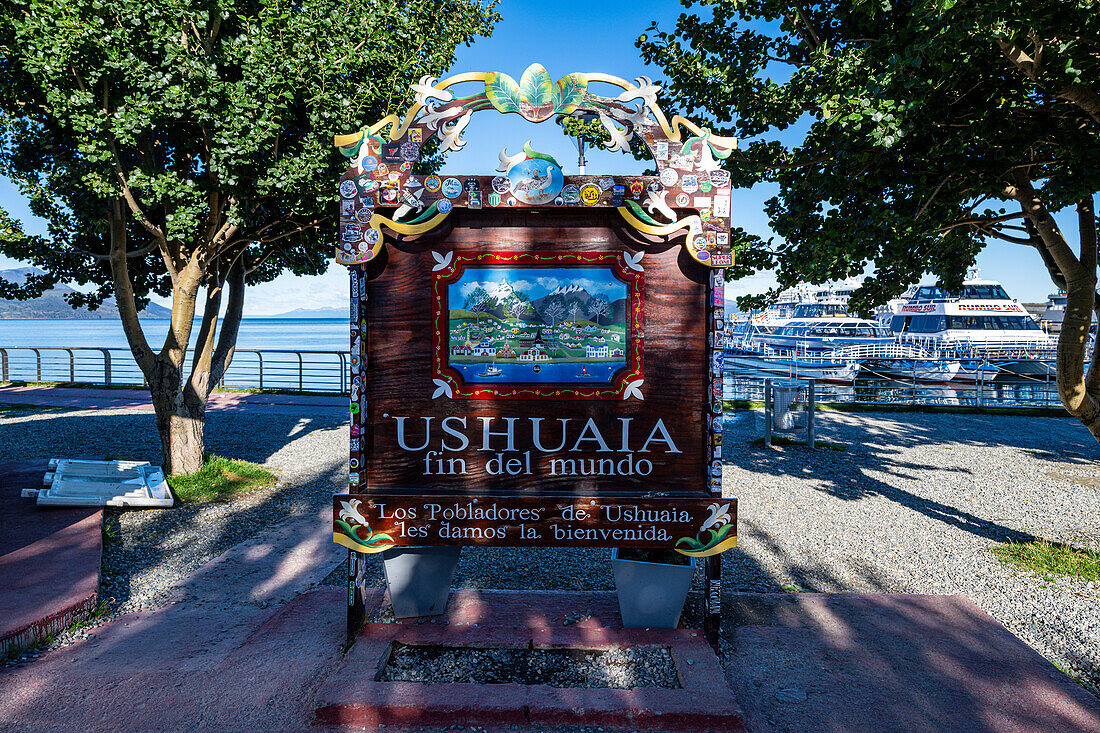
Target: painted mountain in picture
(561,325)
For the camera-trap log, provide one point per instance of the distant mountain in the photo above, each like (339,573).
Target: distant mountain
(52,303)
(341,313)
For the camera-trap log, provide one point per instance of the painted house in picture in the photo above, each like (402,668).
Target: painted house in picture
(543,325)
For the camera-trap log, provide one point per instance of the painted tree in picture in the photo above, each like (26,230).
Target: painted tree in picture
(597,307)
(479,306)
(518,309)
(574,310)
(555,311)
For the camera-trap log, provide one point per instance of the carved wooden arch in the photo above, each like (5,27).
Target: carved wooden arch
(689,196)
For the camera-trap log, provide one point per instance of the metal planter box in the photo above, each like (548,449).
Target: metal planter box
(419,579)
(651,595)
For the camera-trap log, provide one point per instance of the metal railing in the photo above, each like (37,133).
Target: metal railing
(982,383)
(272,369)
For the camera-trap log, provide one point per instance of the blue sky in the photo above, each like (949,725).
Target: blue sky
(567,36)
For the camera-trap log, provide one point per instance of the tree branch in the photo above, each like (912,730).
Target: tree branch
(124,293)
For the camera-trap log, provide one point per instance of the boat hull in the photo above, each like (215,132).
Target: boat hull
(838,372)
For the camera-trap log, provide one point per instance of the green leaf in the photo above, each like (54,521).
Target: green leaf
(536,95)
(502,92)
(531,153)
(639,212)
(569,92)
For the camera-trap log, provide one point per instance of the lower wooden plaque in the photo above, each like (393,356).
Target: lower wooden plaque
(698,526)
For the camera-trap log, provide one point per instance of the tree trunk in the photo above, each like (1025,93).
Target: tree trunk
(181,435)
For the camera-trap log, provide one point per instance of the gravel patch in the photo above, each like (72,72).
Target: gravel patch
(618,668)
(914,505)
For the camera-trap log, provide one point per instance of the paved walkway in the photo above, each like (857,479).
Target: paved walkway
(49,559)
(99,399)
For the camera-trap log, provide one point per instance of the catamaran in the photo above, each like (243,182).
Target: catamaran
(986,330)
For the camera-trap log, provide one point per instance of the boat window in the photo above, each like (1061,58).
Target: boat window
(897,323)
(985,292)
(927,324)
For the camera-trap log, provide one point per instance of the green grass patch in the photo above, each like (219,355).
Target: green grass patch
(220,479)
(784,440)
(1050,558)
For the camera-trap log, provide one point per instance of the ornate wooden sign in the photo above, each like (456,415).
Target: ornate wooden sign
(535,358)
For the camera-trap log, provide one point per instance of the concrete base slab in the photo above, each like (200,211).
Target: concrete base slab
(511,619)
(49,561)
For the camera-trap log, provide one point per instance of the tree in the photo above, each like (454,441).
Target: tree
(479,306)
(575,308)
(598,306)
(518,308)
(931,126)
(184,148)
(555,311)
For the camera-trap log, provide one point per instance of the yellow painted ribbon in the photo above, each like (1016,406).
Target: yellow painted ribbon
(376,223)
(727,544)
(348,542)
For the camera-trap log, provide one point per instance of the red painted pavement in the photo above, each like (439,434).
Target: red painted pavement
(543,619)
(98,399)
(49,559)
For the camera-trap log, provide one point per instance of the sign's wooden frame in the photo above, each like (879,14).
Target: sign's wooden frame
(370,187)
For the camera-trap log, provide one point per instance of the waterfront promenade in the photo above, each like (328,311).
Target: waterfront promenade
(911,506)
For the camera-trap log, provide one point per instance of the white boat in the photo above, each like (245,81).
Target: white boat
(981,326)
(491,371)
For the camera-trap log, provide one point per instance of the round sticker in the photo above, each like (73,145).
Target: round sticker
(371,236)
(452,188)
(348,189)
(364,215)
(410,151)
(669,177)
(472,185)
(501,184)
(443,206)
(590,194)
(703,255)
(682,199)
(535,181)
(705,185)
(512,201)
(559,201)
(432,183)
(571,194)
(370,163)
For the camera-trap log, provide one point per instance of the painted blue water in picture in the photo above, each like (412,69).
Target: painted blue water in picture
(526,374)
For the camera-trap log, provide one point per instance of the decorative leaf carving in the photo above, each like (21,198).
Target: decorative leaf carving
(569,92)
(502,92)
(536,93)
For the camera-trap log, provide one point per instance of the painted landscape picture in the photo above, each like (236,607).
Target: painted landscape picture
(540,325)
